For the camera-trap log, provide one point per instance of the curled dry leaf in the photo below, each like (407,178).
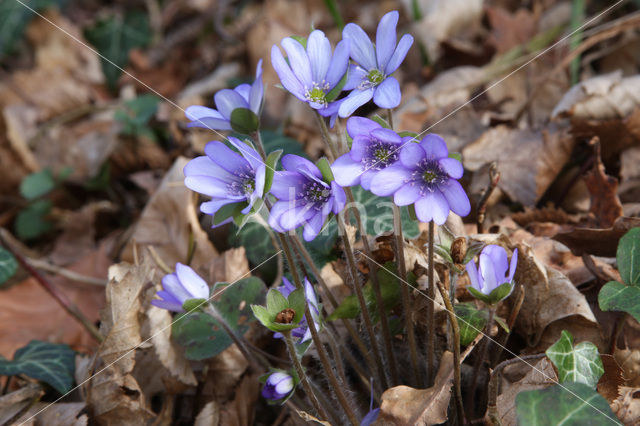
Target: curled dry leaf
(528,161)
(241,410)
(403,405)
(59,414)
(603,189)
(612,379)
(13,403)
(209,415)
(597,242)
(629,361)
(627,406)
(522,377)
(167,221)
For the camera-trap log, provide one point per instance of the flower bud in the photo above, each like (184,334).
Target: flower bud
(286,316)
(459,250)
(278,386)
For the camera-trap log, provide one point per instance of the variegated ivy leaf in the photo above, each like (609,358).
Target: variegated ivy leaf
(580,363)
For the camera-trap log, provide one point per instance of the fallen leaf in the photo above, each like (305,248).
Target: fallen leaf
(15,402)
(510,29)
(241,410)
(597,242)
(627,406)
(629,360)
(403,405)
(612,379)
(209,415)
(167,221)
(605,204)
(528,161)
(58,414)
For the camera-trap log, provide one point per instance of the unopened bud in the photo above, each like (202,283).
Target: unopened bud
(459,250)
(285,316)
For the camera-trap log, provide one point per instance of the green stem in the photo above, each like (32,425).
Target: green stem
(363,305)
(404,290)
(258,140)
(333,153)
(302,375)
(431,293)
(390,118)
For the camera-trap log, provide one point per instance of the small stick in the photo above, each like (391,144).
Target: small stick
(494,178)
(431,292)
(49,267)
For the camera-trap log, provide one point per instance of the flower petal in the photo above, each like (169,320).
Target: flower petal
(387,94)
(169,306)
(299,61)
(227,100)
(389,180)
(434,146)
(361,126)
(287,185)
(192,282)
(243,90)
(248,153)
(355,100)
(312,227)
(474,278)
(498,256)
(294,163)
(361,47)
(407,194)
(171,284)
(339,197)
(366,178)
(359,147)
(296,215)
(456,197)
(287,78)
(399,54)
(386,38)
(319,53)
(276,212)
(211,207)
(355,75)
(204,166)
(210,186)
(225,157)
(257,91)
(433,206)
(206,118)
(386,135)
(339,63)
(452,166)
(411,155)
(488,274)
(512,266)
(346,171)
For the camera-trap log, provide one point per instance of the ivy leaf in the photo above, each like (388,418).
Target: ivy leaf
(569,404)
(615,296)
(136,114)
(8,265)
(202,336)
(51,363)
(377,214)
(114,37)
(628,257)
(471,321)
(31,223)
(581,363)
(37,184)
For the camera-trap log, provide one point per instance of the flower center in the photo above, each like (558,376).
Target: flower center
(315,193)
(317,93)
(372,79)
(245,185)
(429,175)
(380,155)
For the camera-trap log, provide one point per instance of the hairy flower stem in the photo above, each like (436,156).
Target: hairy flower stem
(363,305)
(333,152)
(390,117)
(259,145)
(322,353)
(431,293)
(373,275)
(334,303)
(404,290)
(470,402)
(456,353)
(302,375)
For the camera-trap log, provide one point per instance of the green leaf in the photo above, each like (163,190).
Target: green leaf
(276,140)
(581,363)
(456,155)
(628,257)
(300,39)
(276,302)
(257,243)
(114,37)
(202,336)
(501,292)
(228,210)
(381,121)
(325,169)
(37,184)
(569,404)
(615,296)
(51,363)
(271,164)
(192,305)
(409,134)
(471,321)
(262,315)
(135,115)
(244,121)
(333,94)
(8,265)
(377,214)
(297,302)
(31,223)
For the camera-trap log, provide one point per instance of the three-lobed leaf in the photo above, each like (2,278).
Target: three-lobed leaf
(567,404)
(580,363)
(628,257)
(51,363)
(615,296)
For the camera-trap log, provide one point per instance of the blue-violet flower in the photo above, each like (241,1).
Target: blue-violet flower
(426,176)
(243,96)
(373,149)
(226,176)
(371,77)
(312,72)
(304,198)
(491,273)
(303,333)
(278,385)
(180,286)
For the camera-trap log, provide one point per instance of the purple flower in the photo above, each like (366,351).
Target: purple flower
(302,332)
(177,288)
(278,385)
(370,78)
(226,176)
(426,176)
(373,414)
(492,274)
(244,96)
(312,72)
(304,198)
(374,148)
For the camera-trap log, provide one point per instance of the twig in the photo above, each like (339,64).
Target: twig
(494,178)
(49,267)
(431,293)
(156,258)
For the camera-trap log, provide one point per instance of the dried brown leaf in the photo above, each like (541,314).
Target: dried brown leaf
(627,406)
(15,402)
(241,410)
(629,360)
(209,415)
(603,189)
(510,29)
(612,379)
(597,242)
(403,405)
